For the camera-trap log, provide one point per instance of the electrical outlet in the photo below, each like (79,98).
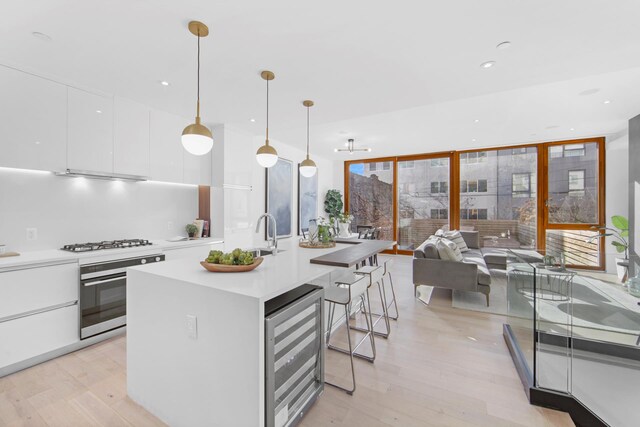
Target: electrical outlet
(32,234)
(192,326)
(170,225)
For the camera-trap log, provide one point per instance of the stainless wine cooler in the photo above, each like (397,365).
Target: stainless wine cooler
(294,354)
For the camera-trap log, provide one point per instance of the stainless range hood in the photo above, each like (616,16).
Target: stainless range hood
(102,175)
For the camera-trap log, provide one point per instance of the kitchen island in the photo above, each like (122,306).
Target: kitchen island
(196,340)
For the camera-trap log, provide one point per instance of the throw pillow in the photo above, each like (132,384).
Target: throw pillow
(448,250)
(457,238)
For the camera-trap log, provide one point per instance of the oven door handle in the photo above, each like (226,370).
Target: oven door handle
(100,282)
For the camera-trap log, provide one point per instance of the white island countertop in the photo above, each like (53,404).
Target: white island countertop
(277,273)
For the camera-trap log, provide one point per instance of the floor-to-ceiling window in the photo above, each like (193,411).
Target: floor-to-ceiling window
(423,198)
(574,189)
(498,196)
(370,197)
(547,197)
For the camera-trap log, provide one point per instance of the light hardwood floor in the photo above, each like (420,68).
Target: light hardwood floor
(440,367)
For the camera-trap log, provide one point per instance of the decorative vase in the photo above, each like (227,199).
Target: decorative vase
(344,229)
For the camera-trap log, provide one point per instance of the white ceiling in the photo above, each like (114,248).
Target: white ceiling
(418,61)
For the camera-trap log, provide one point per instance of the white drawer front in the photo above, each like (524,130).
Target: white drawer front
(31,336)
(36,288)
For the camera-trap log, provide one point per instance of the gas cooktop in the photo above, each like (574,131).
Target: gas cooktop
(107,244)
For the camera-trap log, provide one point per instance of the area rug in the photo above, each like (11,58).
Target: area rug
(476,301)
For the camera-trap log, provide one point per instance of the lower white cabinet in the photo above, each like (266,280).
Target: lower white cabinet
(192,252)
(37,334)
(33,289)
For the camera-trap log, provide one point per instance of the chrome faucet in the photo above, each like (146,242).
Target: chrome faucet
(273,244)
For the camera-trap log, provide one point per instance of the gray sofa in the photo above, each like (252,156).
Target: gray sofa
(472,274)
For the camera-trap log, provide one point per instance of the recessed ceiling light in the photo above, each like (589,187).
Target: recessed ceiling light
(607,102)
(335,150)
(369,150)
(41,36)
(37,142)
(99,111)
(473,140)
(572,129)
(252,120)
(346,144)
(164,83)
(488,64)
(504,45)
(476,121)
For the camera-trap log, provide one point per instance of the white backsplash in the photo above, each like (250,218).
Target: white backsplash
(71,210)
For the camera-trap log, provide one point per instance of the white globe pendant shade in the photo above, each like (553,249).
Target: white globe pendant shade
(267,156)
(308,168)
(197,139)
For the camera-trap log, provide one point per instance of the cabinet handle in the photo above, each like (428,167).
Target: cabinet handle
(38,311)
(100,282)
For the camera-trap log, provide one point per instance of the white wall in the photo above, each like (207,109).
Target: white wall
(617,188)
(234,211)
(72,210)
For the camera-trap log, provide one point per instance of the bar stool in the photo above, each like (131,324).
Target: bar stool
(350,287)
(374,276)
(387,273)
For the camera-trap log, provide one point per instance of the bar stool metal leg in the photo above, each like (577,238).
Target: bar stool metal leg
(375,278)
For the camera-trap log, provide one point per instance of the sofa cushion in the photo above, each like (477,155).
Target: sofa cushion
(471,238)
(456,237)
(495,257)
(427,249)
(448,250)
(475,257)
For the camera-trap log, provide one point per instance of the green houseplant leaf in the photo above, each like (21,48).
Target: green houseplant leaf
(620,222)
(619,246)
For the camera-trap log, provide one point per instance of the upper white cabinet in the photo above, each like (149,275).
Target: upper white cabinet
(197,169)
(131,145)
(90,131)
(166,149)
(33,121)
(240,162)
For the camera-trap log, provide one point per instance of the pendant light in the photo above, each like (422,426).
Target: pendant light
(197,138)
(308,167)
(266,155)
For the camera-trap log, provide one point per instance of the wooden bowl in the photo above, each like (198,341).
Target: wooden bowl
(222,268)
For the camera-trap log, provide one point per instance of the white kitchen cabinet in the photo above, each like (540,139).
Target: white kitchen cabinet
(197,169)
(90,131)
(32,289)
(166,148)
(131,145)
(240,160)
(199,252)
(38,334)
(33,122)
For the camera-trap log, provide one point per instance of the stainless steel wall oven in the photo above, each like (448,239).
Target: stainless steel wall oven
(103,294)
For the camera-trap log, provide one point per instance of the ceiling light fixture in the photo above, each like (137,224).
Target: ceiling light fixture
(350,147)
(488,64)
(41,36)
(99,111)
(266,155)
(164,83)
(252,120)
(197,138)
(308,167)
(504,45)
(476,121)
(607,102)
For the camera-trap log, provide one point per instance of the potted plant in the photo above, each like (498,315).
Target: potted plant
(324,233)
(344,224)
(333,205)
(619,234)
(191,230)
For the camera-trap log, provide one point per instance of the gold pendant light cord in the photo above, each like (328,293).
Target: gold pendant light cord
(267,139)
(198,80)
(307,132)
